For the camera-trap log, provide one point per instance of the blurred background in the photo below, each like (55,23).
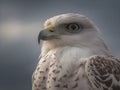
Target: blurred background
(21,21)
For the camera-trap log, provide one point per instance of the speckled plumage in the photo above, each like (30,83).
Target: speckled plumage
(51,74)
(77,60)
(103,72)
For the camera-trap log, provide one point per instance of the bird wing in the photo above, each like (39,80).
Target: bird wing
(103,72)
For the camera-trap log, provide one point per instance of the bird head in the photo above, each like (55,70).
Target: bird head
(70,30)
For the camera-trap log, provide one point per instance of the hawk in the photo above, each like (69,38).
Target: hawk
(74,57)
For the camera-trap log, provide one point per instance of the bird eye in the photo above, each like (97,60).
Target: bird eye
(73,27)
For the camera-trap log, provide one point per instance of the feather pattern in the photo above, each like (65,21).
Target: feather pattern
(103,72)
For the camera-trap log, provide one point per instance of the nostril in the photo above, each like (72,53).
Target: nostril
(51,31)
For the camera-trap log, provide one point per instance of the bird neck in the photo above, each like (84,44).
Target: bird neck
(81,52)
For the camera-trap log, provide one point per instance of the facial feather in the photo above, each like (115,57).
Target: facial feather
(88,37)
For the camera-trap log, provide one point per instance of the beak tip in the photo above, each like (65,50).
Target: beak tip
(39,42)
(39,37)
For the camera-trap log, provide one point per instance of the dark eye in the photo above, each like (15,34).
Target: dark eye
(73,27)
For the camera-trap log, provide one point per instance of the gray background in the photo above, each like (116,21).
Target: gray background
(21,21)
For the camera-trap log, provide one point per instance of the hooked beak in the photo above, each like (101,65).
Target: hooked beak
(46,35)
